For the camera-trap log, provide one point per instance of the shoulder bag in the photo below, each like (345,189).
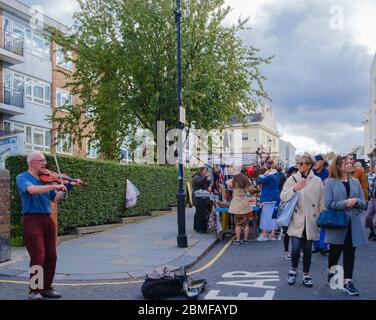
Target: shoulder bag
(286,210)
(333,219)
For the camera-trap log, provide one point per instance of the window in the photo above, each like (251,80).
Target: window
(64,144)
(38,92)
(36,138)
(63,99)
(27,43)
(92,149)
(33,41)
(244,136)
(18,82)
(29,138)
(63,60)
(6,126)
(47,139)
(37,45)
(47,92)
(7,25)
(28,86)
(35,91)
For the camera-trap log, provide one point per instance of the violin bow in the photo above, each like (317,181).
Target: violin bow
(58,171)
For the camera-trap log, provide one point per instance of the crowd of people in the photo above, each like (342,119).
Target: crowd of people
(340,184)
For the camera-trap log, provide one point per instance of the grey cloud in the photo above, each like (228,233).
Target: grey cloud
(319,79)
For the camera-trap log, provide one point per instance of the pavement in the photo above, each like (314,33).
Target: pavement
(124,252)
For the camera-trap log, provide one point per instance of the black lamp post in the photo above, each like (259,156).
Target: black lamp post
(182,237)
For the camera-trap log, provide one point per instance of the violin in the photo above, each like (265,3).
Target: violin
(48,176)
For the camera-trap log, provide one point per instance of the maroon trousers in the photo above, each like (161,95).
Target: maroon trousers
(40,235)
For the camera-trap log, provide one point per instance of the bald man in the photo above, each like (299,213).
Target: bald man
(39,229)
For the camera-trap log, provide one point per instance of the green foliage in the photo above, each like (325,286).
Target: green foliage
(125,69)
(103,200)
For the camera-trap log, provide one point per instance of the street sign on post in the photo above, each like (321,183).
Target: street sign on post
(182,115)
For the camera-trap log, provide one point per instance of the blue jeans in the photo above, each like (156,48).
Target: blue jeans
(299,244)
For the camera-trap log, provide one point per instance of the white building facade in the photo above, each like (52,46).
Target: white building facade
(251,141)
(287,154)
(370,122)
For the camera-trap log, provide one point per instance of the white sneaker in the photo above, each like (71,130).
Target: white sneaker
(286,255)
(35,296)
(261,238)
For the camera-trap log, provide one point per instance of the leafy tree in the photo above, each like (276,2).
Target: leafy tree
(125,70)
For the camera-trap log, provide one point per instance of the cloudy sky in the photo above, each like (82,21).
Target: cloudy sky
(319,79)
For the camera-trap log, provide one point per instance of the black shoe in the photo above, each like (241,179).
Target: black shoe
(372,236)
(324,252)
(307,281)
(314,250)
(329,277)
(350,289)
(51,293)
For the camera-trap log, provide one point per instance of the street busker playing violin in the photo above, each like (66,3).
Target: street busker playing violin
(39,229)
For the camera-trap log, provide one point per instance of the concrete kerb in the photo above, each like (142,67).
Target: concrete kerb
(203,254)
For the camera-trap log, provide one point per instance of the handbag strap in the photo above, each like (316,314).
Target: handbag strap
(294,179)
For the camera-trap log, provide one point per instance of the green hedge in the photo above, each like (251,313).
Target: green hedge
(103,200)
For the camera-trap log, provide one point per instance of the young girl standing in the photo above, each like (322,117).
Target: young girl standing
(240,206)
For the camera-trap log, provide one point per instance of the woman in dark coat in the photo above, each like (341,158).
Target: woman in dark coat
(201,181)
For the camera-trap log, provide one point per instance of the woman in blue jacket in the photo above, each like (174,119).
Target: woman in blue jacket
(269,196)
(343,193)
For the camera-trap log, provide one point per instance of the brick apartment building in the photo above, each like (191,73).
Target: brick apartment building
(31,87)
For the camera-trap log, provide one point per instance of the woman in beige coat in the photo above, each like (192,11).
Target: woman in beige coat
(303,228)
(240,206)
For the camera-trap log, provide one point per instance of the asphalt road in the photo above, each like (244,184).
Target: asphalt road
(250,271)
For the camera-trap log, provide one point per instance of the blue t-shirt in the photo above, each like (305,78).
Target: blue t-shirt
(33,203)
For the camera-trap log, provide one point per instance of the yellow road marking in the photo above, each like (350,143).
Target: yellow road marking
(214,260)
(208,265)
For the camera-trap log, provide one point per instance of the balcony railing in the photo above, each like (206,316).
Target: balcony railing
(4,133)
(13,96)
(12,43)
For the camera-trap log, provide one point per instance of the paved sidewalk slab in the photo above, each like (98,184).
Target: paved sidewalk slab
(124,252)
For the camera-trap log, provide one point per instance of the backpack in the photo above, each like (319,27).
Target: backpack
(166,287)
(161,283)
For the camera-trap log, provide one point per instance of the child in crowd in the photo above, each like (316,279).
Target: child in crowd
(240,206)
